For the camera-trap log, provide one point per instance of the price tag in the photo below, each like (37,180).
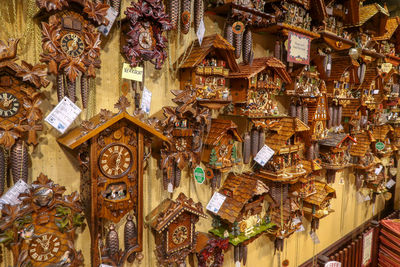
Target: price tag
(379,146)
(200,31)
(135,74)
(375,92)
(333,264)
(237,264)
(104,265)
(111,16)
(170,188)
(199,175)
(378,169)
(11,197)
(328,66)
(264,155)
(301,229)
(63,115)
(390,184)
(360,197)
(367,198)
(314,237)
(146,100)
(215,202)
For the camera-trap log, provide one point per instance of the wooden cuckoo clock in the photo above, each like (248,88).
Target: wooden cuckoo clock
(145,40)
(220,151)
(71,43)
(20,114)
(174,227)
(112,153)
(41,230)
(185,125)
(210,250)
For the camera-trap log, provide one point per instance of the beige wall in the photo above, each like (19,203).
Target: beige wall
(61,166)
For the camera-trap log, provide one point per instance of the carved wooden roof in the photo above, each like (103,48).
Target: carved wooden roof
(323,193)
(364,141)
(284,128)
(350,108)
(210,43)
(219,128)
(259,64)
(243,187)
(340,65)
(368,11)
(380,132)
(168,211)
(371,74)
(392,24)
(335,139)
(89,129)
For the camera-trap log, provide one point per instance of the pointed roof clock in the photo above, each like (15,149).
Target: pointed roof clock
(112,149)
(71,43)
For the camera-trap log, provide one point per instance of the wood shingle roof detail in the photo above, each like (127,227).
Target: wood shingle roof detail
(363,140)
(168,210)
(219,128)
(210,43)
(368,11)
(371,74)
(242,188)
(259,64)
(351,108)
(323,192)
(392,24)
(340,65)
(335,139)
(380,132)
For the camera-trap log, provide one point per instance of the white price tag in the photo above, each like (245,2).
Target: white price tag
(390,184)
(301,229)
(375,92)
(146,100)
(200,31)
(135,74)
(216,202)
(328,66)
(314,237)
(264,155)
(170,188)
(11,196)
(104,265)
(237,264)
(111,16)
(378,170)
(333,264)
(63,115)
(367,198)
(360,197)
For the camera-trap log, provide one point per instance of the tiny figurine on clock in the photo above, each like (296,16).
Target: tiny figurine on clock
(42,229)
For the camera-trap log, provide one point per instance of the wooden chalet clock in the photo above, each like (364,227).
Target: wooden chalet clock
(145,41)
(41,230)
(71,43)
(173,223)
(20,114)
(111,154)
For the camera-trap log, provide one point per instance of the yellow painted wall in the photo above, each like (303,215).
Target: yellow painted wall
(61,166)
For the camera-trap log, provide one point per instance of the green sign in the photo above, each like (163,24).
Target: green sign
(199,175)
(379,146)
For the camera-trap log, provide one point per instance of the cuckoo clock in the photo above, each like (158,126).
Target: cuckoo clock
(20,114)
(145,40)
(71,43)
(207,68)
(254,87)
(174,227)
(41,230)
(382,145)
(240,217)
(210,250)
(112,151)
(220,151)
(307,83)
(184,125)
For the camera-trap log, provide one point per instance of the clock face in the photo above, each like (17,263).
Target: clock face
(72,44)
(223,150)
(44,247)
(115,160)
(181,144)
(9,105)
(146,40)
(180,235)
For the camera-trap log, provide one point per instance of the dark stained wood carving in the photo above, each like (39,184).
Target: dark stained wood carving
(41,230)
(185,125)
(20,113)
(112,150)
(174,227)
(71,43)
(145,40)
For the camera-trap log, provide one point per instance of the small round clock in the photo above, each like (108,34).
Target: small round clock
(44,247)
(180,235)
(146,39)
(9,105)
(72,44)
(115,160)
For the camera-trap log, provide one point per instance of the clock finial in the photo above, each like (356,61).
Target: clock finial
(122,104)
